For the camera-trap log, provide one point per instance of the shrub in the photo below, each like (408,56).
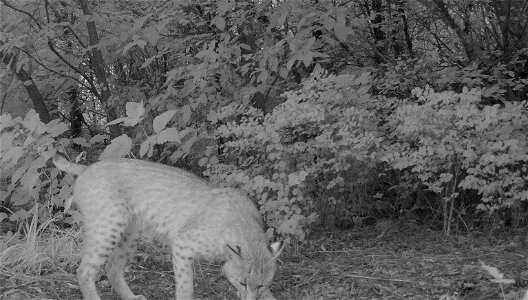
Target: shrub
(295,159)
(453,143)
(27,179)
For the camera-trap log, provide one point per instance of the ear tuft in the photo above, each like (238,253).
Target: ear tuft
(275,249)
(233,251)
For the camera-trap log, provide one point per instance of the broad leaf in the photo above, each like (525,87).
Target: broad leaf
(146,146)
(119,147)
(161,121)
(169,135)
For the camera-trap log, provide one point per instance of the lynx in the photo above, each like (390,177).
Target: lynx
(119,198)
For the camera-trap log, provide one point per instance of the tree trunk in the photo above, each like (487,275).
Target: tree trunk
(471,49)
(98,67)
(380,52)
(76,116)
(403,16)
(10,59)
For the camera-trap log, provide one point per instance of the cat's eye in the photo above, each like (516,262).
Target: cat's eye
(259,287)
(243,284)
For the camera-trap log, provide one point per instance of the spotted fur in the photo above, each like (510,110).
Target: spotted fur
(119,198)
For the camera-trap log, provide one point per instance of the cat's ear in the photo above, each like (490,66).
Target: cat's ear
(275,249)
(233,252)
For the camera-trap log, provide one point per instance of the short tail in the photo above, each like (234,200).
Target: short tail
(63,164)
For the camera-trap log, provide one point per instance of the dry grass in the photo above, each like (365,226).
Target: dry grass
(39,248)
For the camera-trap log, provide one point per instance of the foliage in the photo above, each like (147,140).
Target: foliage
(497,81)
(299,155)
(208,81)
(453,143)
(398,79)
(27,144)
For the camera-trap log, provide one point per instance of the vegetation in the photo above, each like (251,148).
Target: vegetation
(345,121)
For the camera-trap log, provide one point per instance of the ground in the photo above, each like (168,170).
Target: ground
(405,263)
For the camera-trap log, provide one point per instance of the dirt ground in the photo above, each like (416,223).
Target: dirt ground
(410,263)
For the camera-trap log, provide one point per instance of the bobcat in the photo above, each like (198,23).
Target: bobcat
(121,197)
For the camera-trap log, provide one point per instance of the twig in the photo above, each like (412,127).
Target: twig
(334,251)
(22,12)
(24,276)
(92,86)
(53,71)
(306,282)
(385,279)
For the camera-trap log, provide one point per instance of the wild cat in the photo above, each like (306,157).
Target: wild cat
(120,197)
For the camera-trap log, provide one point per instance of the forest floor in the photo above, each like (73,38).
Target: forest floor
(410,263)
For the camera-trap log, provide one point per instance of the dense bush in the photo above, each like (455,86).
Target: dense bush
(307,158)
(225,87)
(453,143)
(298,159)
(29,184)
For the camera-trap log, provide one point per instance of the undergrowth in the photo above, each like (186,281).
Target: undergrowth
(39,248)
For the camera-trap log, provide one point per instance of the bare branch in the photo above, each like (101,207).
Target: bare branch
(93,88)
(55,72)
(22,12)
